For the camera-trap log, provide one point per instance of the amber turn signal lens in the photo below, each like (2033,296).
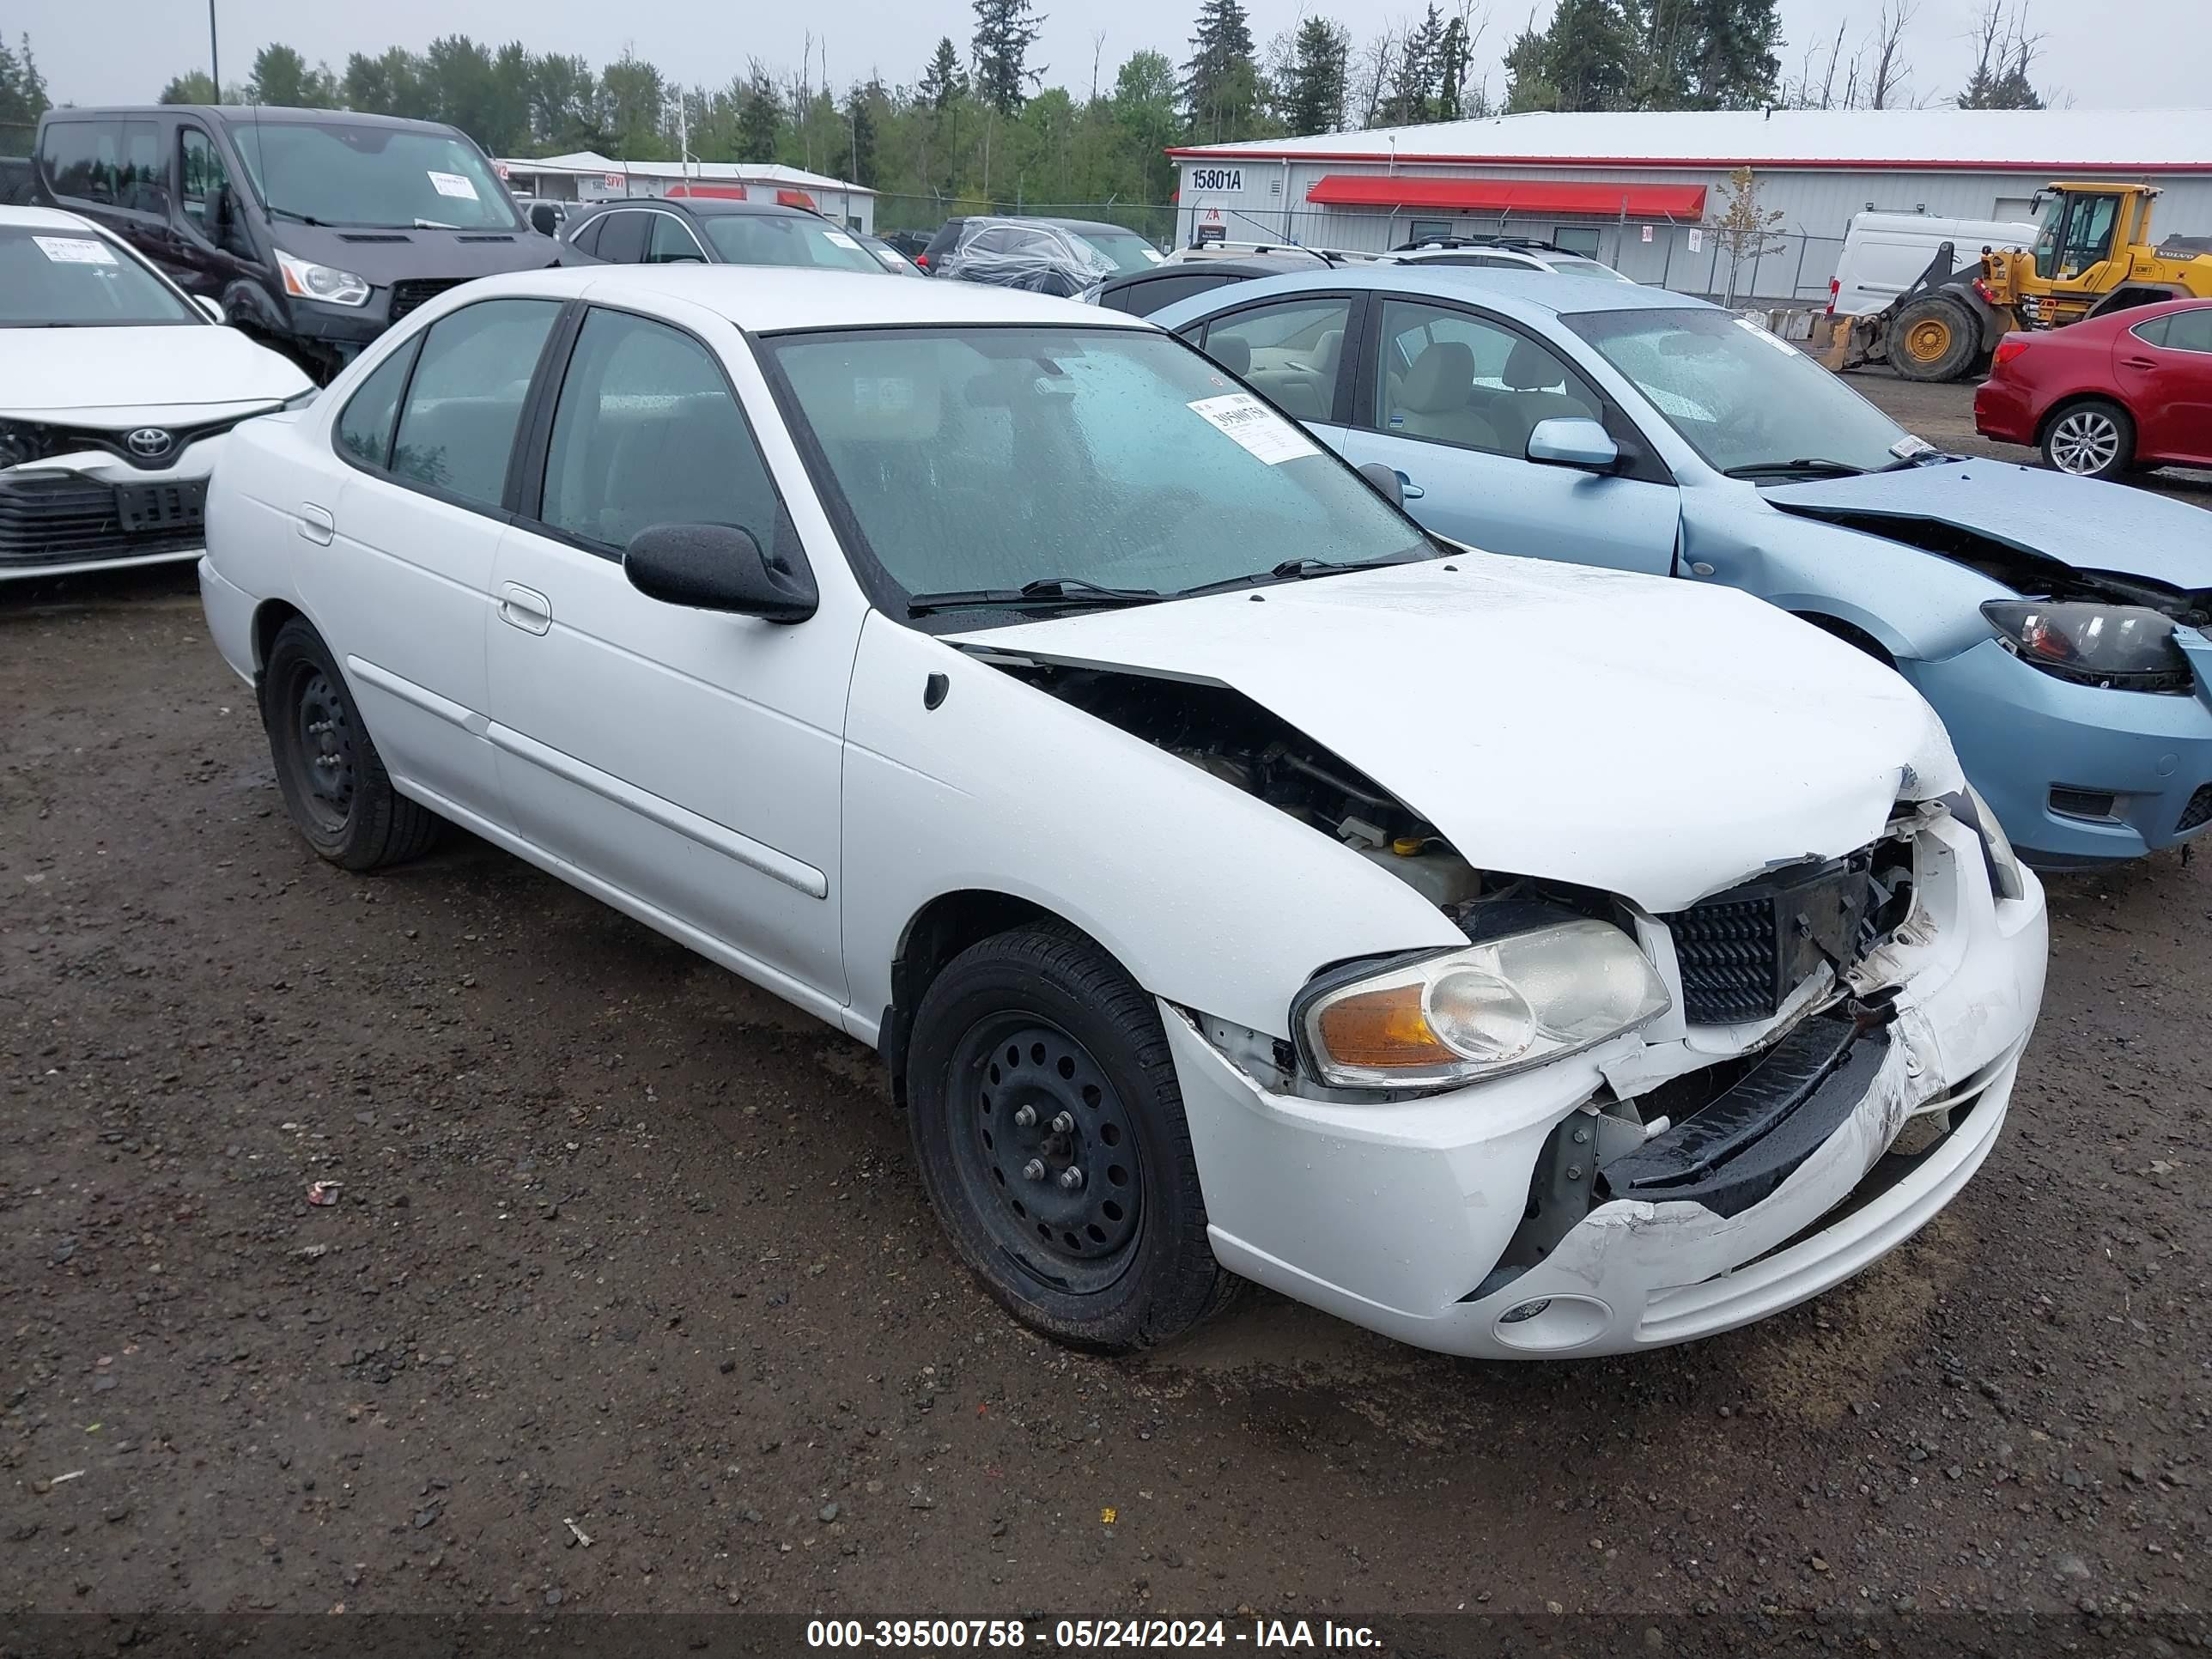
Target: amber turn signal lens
(1381,1029)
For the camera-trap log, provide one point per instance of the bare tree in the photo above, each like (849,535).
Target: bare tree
(1378,65)
(1888,74)
(1746,229)
(1098,51)
(2004,53)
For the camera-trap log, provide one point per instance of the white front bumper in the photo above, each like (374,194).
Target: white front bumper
(192,467)
(1390,1215)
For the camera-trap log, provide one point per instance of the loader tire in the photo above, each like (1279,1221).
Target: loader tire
(1933,338)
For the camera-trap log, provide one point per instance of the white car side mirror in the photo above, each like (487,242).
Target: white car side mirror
(212,307)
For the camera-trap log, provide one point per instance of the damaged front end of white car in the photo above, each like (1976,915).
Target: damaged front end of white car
(1719,1029)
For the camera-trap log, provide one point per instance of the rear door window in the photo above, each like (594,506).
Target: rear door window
(1290,350)
(457,429)
(622,238)
(2190,331)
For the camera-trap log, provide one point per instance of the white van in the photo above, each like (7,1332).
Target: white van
(1884,254)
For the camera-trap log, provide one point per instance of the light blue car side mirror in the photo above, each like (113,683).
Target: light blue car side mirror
(1573,441)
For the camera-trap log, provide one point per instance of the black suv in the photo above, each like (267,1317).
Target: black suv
(314,229)
(660,230)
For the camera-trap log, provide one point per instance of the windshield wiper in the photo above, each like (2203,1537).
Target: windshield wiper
(1294,570)
(1045,591)
(299,218)
(1812,466)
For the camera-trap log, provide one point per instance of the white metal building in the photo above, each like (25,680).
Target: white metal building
(587,176)
(1640,191)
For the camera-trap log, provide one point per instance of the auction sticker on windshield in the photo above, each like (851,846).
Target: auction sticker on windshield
(841,240)
(1256,427)
(75,250)
(454,185)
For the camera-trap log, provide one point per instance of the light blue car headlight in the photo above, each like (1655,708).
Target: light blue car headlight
(2127,648)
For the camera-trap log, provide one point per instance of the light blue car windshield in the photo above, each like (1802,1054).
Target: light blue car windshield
(1743,399)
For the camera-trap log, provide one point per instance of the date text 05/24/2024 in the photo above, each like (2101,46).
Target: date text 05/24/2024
(1086,1634)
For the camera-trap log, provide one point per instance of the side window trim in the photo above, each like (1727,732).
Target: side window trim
(690,235)
(503,513)
(530,503)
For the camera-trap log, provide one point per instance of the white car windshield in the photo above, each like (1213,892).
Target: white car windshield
(774,239)
(363,175)
(1751,405)
(988,459)
(1124,250)
(1577,267)
(64,277)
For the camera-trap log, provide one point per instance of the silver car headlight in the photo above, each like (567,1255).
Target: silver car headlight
(305,280)
(1468,1015)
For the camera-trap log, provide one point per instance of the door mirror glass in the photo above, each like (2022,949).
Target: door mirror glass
(717,566)
(1386,481)
(213,307)
(1568,442)
(545,218)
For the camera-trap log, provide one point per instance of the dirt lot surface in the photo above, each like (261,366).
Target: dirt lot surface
(624,1243)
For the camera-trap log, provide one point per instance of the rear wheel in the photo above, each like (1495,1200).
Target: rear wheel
(1934,338)
(1050,1134)
(2091,440)
(332,780)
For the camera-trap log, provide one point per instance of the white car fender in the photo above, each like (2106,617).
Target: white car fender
(1208,896)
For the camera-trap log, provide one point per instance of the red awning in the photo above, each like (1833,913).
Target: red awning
(1400,190)
(801,198)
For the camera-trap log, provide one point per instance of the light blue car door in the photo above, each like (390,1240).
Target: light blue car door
(1448,398)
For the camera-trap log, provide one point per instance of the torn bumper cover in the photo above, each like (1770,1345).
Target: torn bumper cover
(1397,1217)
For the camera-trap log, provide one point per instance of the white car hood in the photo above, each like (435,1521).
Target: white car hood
(1637,734)
(90,371)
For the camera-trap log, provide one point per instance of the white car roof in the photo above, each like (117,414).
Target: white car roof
(38,218)
(764,299)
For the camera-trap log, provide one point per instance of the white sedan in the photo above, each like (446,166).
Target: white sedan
(116,392)
(1516,958)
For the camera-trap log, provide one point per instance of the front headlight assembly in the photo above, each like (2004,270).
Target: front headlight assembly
(305,280)
(2127,648)
(1464,1016)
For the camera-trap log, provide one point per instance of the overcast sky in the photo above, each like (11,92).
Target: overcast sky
(2115,54)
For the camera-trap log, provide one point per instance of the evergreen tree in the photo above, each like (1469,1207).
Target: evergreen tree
(760,117)
(1312,102)
(1004,31)
(1588,58)
(1413,82)
(942,81)
(22,89)
(1454,57)
(1708,54)
(857,160)
(282,79)
(1221,83)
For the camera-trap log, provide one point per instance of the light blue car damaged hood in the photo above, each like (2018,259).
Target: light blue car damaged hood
(2078,522)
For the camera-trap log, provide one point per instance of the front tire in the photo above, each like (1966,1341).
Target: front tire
(1934,338)
(1050,1134)
(332,780)
(2091,439)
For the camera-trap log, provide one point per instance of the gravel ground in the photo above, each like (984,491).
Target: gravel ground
(625,1248)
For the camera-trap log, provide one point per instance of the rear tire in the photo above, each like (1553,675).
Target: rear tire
(1934,338)
(2090,440)
(332,780)
(1022,1033)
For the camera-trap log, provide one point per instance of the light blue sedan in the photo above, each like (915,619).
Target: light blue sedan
(2057,624)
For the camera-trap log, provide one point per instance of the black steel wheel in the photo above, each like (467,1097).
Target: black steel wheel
(1050,1134)
(332,780)
(1046,1151)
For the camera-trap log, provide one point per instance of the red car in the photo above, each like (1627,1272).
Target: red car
(2129,390)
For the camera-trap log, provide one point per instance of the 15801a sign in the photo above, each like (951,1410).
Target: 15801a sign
(1220,178)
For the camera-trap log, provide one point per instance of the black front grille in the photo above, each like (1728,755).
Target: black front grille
(2198,812)
(406,296)
(60,520)
(1742,952)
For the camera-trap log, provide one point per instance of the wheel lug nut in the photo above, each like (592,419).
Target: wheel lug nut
(1071,1178)
(1034,1169)
(1026,1117)
(1063,1124)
